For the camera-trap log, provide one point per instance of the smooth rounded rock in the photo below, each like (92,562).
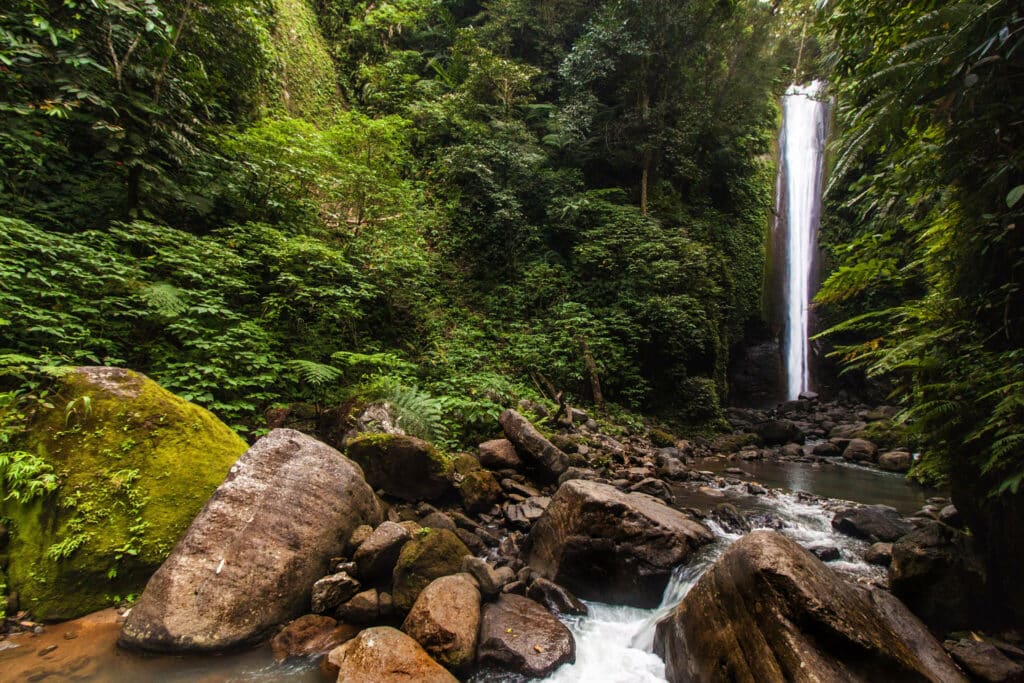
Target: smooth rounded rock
(248,562)
(430,555)
(386,655)
(520,636)
(445,620)
(378,554)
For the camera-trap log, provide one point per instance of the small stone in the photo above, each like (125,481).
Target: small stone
(825,553)
(378,554)
(556,598)
(487,578)
(364,608)
(331,591)
(879,553)
(361,533)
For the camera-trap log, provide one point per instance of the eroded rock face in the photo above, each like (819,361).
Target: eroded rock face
(518,635)
(768,610)
(531,445)
(445,620)
(612,546)
(249,559)
(403,466)
(386,655)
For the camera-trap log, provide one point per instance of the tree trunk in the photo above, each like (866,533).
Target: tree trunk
(595,380)
(645,171)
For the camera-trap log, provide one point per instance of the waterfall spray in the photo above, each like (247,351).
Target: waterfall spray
(801,148)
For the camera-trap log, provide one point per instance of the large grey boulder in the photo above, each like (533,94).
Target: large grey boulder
(531,445)
(248,561)
(611,546)
(768,610)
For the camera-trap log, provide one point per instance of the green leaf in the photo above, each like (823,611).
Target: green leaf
(1014,195)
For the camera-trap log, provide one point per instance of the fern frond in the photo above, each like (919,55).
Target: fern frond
(313,373)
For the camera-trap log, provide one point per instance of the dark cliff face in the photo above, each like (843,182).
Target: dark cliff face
(998,526)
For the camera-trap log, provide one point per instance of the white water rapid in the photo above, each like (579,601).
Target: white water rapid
(801,162)
(614,644)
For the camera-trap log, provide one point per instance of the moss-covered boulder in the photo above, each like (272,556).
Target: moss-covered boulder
(134,464)
(431,554)
(402,466)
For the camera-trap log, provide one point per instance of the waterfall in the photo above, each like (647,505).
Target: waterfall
(801,162)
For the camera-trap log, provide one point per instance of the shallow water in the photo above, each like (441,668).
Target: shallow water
(831,479)
(613,643)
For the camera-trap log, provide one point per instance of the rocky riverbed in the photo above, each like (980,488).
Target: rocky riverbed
(565,551)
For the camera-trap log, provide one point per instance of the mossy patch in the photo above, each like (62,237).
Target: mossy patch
(135,464)
(431,554)
(402,466)
(308,80)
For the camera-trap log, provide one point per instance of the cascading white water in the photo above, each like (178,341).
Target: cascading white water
(801,151)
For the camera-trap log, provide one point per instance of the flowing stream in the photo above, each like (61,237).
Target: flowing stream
(614,643)
(801,156)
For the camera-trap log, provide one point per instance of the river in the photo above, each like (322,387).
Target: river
(613,642)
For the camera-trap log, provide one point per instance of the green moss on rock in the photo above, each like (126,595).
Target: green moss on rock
(402,466)
(135,464)
(431,554)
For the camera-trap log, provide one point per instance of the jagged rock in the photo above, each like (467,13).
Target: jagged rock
(499,454)
(985,662)
(473,541)
(402,466)
(937,573)
(310,635)
(248,561)
(445,619)
(378,554)
(523,515)
(531,445)
(386,655)
(376,418)
(768,610)
(331,591)
(871,522)
(612,546)
(429,555)
(895,461)
(556,598)
(777,432)
(860,450)
(518,635)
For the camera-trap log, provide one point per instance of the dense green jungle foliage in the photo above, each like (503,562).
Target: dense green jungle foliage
(444,202)
(926,228)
